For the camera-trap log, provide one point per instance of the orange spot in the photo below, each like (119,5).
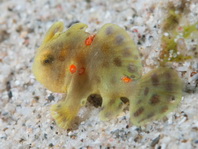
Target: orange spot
(180,28)
(59,7)
(135,30)
(89,40)
(193,73)
(62,55)
(81,70)
(126,79)
(72,68)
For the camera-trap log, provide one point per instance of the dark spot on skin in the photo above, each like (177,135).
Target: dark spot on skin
(154,99)
(105,64)
(126,52)
(95,100)
(172,99)
(64,119)
(119,39)
(82,28)
(126,48)
(139,112)
(139,101)
(169,86)
(111,101)
(61,116)
(117,61)
(83,102)
(107,114)
(155,79)
(131,68)
(62,55)
(69,33)
(164,109)
(168,75)
(133,76)
(113,80)
(169,81)
(59,105)
(124,100)
(150,115)
(109,30)
(48,60)
(135,57)
(61,58)
(146,91)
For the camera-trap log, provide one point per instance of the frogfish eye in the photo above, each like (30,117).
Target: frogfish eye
(47,59)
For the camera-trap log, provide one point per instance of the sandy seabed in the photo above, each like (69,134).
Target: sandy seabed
(25,120)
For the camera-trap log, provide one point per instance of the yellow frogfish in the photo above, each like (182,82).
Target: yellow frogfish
(107,63)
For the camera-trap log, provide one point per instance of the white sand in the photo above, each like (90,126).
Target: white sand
(25,120)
